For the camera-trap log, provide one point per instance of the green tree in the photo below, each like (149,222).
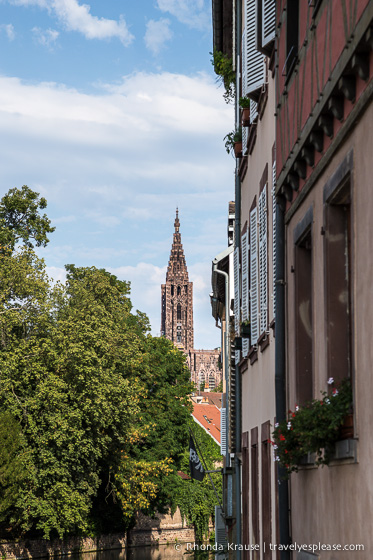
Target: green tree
(197,500)
(20,219)
(13,471)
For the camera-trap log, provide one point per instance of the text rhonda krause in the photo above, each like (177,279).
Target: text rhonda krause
(294,547)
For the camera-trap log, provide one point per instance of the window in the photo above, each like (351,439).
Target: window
(338,280)
(266,491)
(292,35)
(255,486)
(303,311)
(178,312)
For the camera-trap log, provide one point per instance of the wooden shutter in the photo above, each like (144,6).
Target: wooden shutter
(274,238)
(268,21)
(236,267)
(254,308)
(245,288)
(255,68)
(263,260)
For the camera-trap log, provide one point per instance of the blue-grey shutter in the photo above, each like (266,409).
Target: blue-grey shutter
(268,21)
(245,288)
(254,307)
(263,261)
(255,66)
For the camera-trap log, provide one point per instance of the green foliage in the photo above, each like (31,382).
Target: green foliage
(13,471)
(20,219)
(197,500)
(95,412)
(223,67)
(244,102)
(231,138)
(312,428)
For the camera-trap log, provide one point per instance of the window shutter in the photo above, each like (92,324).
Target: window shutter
(236,266)
(263,260)
(244,63)
(254,276)
(268,21)
(245,288)
(253,111)
(255,68)
(223,431)
(274,237)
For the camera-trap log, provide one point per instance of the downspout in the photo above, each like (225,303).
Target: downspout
(237,207)
(226,349)
(280,375)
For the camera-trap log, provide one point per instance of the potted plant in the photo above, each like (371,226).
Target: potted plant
(245,106)
(233,142)
(312,428)
(245,329)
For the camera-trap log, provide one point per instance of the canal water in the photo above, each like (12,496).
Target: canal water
(161,552)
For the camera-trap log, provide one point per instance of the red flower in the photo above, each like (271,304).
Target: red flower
(282,438)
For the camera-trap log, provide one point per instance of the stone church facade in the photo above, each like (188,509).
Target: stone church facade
(177,318)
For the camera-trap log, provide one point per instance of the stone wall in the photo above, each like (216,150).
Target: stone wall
(40,548)
(163,529)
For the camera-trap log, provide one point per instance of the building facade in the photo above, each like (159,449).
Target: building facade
(302,268)
(324,185)
(177,318)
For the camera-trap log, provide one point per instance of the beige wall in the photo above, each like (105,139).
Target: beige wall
(258,385)
(335,504)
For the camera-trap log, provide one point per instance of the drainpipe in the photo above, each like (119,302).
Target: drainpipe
(280,375)
(238,427)
(226,353)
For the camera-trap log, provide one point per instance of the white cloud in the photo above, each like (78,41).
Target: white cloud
(46,37)
(8,28)
(126,157)
(194,13)
(157,34)
(77,17)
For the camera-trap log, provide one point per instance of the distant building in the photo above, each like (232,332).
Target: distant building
(177,318)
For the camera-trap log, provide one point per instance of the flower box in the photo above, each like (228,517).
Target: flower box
(237,146)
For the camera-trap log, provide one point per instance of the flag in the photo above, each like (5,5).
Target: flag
(196,468)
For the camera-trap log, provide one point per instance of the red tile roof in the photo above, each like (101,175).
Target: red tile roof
(208,417)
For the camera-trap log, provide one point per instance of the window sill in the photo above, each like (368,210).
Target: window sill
(253,355)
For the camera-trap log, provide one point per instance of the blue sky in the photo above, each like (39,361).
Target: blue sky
(112,112)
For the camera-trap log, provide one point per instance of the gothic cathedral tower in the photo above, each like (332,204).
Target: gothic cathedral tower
(177,297)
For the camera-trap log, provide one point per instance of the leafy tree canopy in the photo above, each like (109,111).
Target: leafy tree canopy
(20,219)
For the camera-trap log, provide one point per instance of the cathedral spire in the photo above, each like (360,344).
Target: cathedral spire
(177,296)
(177,222)
(177,268)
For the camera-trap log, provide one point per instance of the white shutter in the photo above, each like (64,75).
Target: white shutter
(245,288)
(243,86)
(268,21)
(263,260)
(274,238)
(236,267)
(254,276)
(253,111)
(255,67)
(237,357)
(223,430)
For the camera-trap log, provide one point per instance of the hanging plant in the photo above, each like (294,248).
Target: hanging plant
(312,428)
(223,67)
